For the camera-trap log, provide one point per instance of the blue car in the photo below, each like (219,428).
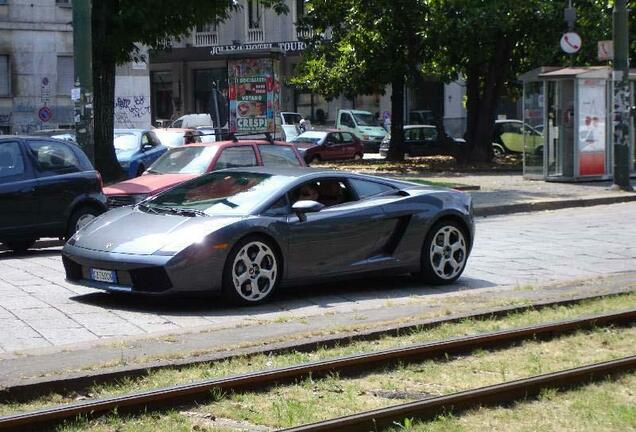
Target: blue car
(136,150)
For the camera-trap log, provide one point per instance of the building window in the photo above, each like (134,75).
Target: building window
(5,88)
(65,75)
(255,27)
(161,84)
(203,81)
(63,2)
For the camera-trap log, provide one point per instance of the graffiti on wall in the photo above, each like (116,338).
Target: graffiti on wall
(132,111)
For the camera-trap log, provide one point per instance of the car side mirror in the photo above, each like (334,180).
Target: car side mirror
(146,147)
(306,206)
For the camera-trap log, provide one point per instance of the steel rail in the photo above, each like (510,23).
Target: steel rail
(484,396)
(21,392)
(344,365)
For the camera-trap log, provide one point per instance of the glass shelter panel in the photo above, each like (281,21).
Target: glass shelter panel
(533,106)
(559,130)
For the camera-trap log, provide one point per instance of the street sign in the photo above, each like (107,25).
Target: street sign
(45,114)
(571,42)
(606,50)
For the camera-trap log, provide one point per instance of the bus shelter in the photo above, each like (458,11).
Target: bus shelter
(569,127)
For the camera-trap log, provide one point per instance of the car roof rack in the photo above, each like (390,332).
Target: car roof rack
(232,136)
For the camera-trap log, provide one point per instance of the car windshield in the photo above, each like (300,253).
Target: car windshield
(184,160)
(126,141)
(366,119)
(292,118)
(170,138)
(219,192)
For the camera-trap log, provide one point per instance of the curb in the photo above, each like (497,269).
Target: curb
(504,209)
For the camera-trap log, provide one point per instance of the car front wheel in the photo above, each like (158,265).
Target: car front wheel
(444,253)
(498,150)
(252,271)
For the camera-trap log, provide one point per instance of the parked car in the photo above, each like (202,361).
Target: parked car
(330,144)
(48,188)
(363,125)
(508,138)
(243,232)
(137,149)
(424,140)
(421,117)
(191,121)
(184,163)
(177,137)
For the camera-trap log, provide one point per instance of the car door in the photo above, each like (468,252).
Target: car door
(512,136)
(348,145)
(338,239)
(18,204)
(347,123)
(432,144)
(151,148)
(333,146)
(61,180)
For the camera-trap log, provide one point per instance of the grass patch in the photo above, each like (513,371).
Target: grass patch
(501,368)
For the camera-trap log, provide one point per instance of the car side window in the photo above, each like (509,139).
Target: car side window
(233,157)
(177,124)
(366,189)
(54,158)
(334,138)
(328,191)
(11,163)
(347,120)
(278,155)
(145,139)
(430,134)
(411,134)
(347,138)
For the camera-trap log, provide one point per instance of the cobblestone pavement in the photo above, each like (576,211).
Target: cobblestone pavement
(39,309)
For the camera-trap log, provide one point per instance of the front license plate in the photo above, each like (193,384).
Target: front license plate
(104,275)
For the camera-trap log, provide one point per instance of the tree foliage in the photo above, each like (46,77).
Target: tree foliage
(119,27)
(359,47)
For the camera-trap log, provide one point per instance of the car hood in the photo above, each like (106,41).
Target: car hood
(149,184)
(128,230)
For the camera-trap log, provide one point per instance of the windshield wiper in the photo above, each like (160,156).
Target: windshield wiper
(181,211)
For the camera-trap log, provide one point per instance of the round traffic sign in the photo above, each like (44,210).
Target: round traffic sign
(571,42)
(45,114)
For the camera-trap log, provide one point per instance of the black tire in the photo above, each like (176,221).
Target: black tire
(430,265)
(358,156)
(140,170)
(19,246)
(229,291)
(77,215)
(498,150)
(315,159)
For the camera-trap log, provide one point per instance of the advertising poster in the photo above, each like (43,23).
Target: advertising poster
(253,96)
(592,127)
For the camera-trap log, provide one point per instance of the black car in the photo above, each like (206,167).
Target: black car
(48,188)
(424,140)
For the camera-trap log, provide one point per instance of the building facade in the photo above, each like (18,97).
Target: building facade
(181,78)
(37,71)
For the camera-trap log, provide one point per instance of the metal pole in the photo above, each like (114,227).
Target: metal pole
(621,114)
(83,60)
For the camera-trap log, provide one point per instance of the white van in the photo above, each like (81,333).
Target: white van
(192,121)
(364,125)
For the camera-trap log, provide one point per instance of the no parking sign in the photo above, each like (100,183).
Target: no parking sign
(45,114)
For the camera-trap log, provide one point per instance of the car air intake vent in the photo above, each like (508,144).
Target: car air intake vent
(73,269)
(150,279)
(120,200)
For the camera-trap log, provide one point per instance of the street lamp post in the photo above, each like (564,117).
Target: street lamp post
(621,98)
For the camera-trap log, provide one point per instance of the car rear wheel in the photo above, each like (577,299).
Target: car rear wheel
(444,253)
(357,156)
(252,271)
(80,218)
(315,159)
(19,246)
(498,150)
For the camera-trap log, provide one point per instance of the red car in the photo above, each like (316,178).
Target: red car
(184,163)
(330,144)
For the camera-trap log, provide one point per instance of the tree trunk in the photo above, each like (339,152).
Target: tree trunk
(483,93)
(396,146)
(104,67)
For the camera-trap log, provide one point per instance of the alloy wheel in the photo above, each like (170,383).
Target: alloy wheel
(448,252)
(84,220)
(254,271)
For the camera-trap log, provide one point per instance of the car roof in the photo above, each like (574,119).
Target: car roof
(418,126)
(355,111)
(40,137)
(239,142)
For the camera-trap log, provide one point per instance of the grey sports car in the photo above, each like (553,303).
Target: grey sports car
(243,232)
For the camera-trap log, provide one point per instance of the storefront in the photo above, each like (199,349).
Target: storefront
(572,106)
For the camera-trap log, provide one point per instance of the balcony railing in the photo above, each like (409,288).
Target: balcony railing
(255,35)
(205,38)
(304,34)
